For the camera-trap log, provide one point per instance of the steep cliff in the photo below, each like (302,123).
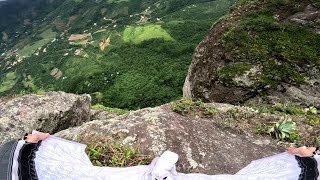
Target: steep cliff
(263,51)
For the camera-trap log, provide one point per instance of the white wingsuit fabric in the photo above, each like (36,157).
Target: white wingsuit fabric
(60,159)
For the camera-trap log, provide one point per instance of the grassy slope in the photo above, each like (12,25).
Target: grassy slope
(146,68)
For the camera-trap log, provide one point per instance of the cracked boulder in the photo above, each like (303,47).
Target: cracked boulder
(203,146)
(51,112)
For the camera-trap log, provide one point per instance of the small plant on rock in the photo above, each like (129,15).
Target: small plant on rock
(312,110)
(313,116)
(285,130)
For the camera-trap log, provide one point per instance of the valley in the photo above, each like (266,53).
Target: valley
(125,54)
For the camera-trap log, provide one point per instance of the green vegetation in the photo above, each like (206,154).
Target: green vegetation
(29,49)
(112,110)
(117,1)
(314,122)
(9,80)
(113,155)
(29,84)
(285,130)
(48,34)
(262,129)
(143,65)
(209,9)
(313,110)
(259,37)
(189,107)
(313,116)
(289,109)
(142,33)
(227,73)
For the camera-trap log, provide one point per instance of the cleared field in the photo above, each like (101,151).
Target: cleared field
(138,34)
(75,37)
(29,49)
(48,34)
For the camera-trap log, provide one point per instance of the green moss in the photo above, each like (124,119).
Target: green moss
(273,74)
(280,48)
(227,73)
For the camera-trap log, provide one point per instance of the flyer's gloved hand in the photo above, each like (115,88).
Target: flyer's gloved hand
(164,167)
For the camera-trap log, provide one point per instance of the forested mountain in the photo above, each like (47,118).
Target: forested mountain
(125,53)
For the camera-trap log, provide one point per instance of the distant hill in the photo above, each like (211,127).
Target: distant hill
(125,53)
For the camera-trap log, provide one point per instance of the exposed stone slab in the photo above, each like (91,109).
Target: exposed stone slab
(51,112)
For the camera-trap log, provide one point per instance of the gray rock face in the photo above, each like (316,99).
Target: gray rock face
(102,115)
(202,145)
(51,112)
(310,16)
(202,81)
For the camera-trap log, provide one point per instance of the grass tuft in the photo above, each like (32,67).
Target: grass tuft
(114,155)
(189,107)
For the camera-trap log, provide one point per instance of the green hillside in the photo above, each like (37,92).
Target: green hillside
(125,53)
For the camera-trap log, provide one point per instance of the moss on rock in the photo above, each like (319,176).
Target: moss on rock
(229,72)
(280,39)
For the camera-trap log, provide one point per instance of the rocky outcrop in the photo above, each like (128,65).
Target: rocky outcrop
(258,58)
(309,17)
(102,115)
(202,144)
(51,112)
